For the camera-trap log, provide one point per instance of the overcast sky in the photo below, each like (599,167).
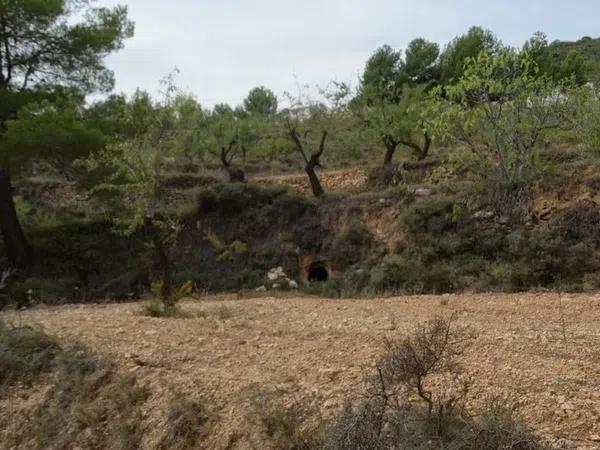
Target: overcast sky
(223,48)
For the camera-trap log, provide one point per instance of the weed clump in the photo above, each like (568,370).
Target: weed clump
(290,426)
(186,424)
(88,404)
(25,352)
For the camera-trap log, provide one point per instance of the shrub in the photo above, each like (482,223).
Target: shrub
(433,216)
(579,222)
(288,426)
(25,352)
(235,197)
(89,405)
(403,409)
(352,246)
(186,424)
(333,287)
(157,309)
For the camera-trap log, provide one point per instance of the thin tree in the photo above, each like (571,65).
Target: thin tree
(306,119)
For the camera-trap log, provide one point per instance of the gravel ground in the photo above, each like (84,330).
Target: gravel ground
(536,353)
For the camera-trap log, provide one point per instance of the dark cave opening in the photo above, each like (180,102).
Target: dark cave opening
(317,272)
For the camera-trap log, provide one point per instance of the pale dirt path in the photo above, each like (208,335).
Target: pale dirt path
(317,347)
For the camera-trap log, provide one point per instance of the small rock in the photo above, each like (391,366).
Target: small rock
(423,192)
(261,289)
(483,215)
(564,443)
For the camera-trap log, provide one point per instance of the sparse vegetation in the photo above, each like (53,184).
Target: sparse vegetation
(186,424)
(293,426)
(87,402)
(25,352)
(452,170)
(403,408)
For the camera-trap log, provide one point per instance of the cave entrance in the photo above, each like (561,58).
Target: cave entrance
(317,272)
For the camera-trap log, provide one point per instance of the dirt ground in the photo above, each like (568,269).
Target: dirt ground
(538,354)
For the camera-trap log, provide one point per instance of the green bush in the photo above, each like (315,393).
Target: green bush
(235,197)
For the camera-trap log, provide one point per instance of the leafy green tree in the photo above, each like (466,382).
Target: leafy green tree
(421,62)
(395,122)
(383,73)
(229,135)
(119,117)
(47,49)
(261,101)
(464,47)
(556,65)
(133,172)
(392,95)
(587,119)
(500,109)
(308,124)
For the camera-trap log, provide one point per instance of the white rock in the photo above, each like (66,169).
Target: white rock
(423,192)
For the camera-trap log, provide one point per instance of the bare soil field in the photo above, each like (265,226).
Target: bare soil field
(534,352)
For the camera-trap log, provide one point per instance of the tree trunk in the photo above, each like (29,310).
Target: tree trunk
(390,149)
(165,268)
(315,184)
(425,150)
(18,250)
(420,152)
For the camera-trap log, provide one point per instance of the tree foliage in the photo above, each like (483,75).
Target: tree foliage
(559,67)
(467,46)
(500,109)
(261,101)
(397,120)
(421,62)
(49,51)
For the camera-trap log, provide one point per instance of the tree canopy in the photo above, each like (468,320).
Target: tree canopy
(50,50)
(261,101)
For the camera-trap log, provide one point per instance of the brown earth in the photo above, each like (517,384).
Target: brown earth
(342,180)
(541,358)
